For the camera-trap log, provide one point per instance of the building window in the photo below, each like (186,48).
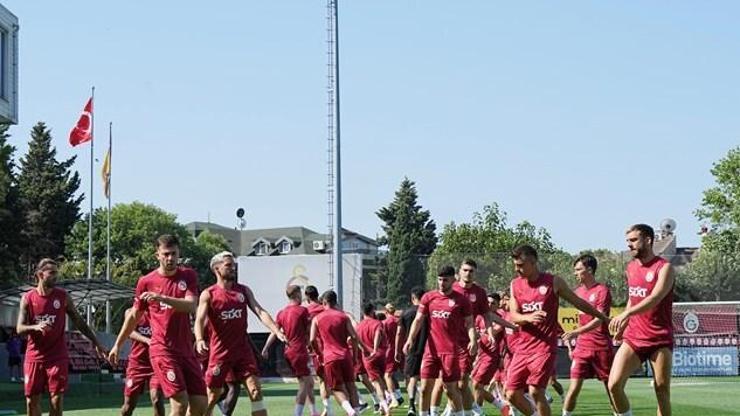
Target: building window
(261,249)
(285,247)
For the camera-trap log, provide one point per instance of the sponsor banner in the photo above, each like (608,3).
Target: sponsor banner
(701,361)
(568,317)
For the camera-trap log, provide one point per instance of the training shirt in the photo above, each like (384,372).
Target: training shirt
(294,320)
(599,296)
(655,326)
(49,346)
(445,315)
(534,296)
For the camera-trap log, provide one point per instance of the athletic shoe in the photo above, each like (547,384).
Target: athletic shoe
(400,401)
(363,407)
(411,412)
(376,408)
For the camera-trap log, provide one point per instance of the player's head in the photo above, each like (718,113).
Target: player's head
(368,309)
(584,267)
(525,260)
(312,294)
(416,293)
(445,277)
(640,238)
(494,300)
(504,303)
(467,271)
(224,266)
(380,316)
(329,298)
(390,308)
(168,252)
(294,293)
(46,272)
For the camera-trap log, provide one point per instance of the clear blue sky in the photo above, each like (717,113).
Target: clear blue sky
(582,117)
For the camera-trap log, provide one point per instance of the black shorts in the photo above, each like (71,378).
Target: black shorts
(14,361)
(413,365)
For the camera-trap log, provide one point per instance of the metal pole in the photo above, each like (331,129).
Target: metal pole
(107,262)
(337,234)
(90,218)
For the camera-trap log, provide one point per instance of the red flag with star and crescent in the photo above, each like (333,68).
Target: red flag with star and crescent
(82,132)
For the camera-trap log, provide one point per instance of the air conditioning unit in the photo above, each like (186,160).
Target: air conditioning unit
(319,245)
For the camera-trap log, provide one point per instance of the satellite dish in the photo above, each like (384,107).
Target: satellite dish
(240,213)
(668,225)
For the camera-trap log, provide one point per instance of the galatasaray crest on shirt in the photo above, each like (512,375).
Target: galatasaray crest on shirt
(649,277)
(472,297)
(57,304)
(592,298)
(182,285)
(543,290)
(240,296)
(451,302)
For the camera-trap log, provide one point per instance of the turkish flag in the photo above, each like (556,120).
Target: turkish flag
(82,132)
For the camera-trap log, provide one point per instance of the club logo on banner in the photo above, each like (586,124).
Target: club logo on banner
(691,322)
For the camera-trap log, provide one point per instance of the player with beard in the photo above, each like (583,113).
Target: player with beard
(534,307)
(334,327)
(646,324)
(139,370)
(225,304)
(445,311)
(593,353)
(43,317)
(169,294)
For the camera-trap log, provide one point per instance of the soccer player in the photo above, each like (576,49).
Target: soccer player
(487,361)
(43,317)
(371,331)
(391,366)
(169,294)
(334,327)
(534,307)
(593,354)
(293,320)
(412,363)
(139,370)
(645,325)
(315,307)
(225,304)
(446,311)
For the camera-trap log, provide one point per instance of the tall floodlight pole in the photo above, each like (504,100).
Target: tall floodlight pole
(335,166)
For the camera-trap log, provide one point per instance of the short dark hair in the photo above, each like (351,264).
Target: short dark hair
(291,290)
(368,308)
(446,271)
(588,261)
(644,230)
(471,263)
(311,293)
(417,292)
(330,297)
(495,296)
(522,251)
(380,316)
(167,240)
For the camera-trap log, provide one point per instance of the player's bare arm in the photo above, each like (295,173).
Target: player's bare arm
(562,290)
(129,324)
(135,335)
(313,334)
(400,332)
(492,318)
(594,324)
(666,279)
(200,322)
(82,326)
(22,326)
(264,316)
(187,304)
(268,344)
(377,339)
(357,343)
(413,331)
(472,336)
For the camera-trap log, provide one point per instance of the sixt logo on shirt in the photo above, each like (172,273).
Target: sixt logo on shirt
(163,306)
(638,292)
(532,307)
(235,313)
(441,314)
(48,318)
(145,330)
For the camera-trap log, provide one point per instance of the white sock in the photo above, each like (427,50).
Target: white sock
(374,397)
(384,406)
(459,413)
(397,393)
(434,411)
(498,403)
(298,410)
(567,413)
(424,413)
(627,413)
(327,406)
(348,408)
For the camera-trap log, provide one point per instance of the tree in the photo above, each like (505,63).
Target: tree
(410,237)
(9,211)
(134,228)
(47,200)
(715,272)
(488,240)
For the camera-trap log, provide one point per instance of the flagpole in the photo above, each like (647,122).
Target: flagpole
(107,262)
(90,218)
